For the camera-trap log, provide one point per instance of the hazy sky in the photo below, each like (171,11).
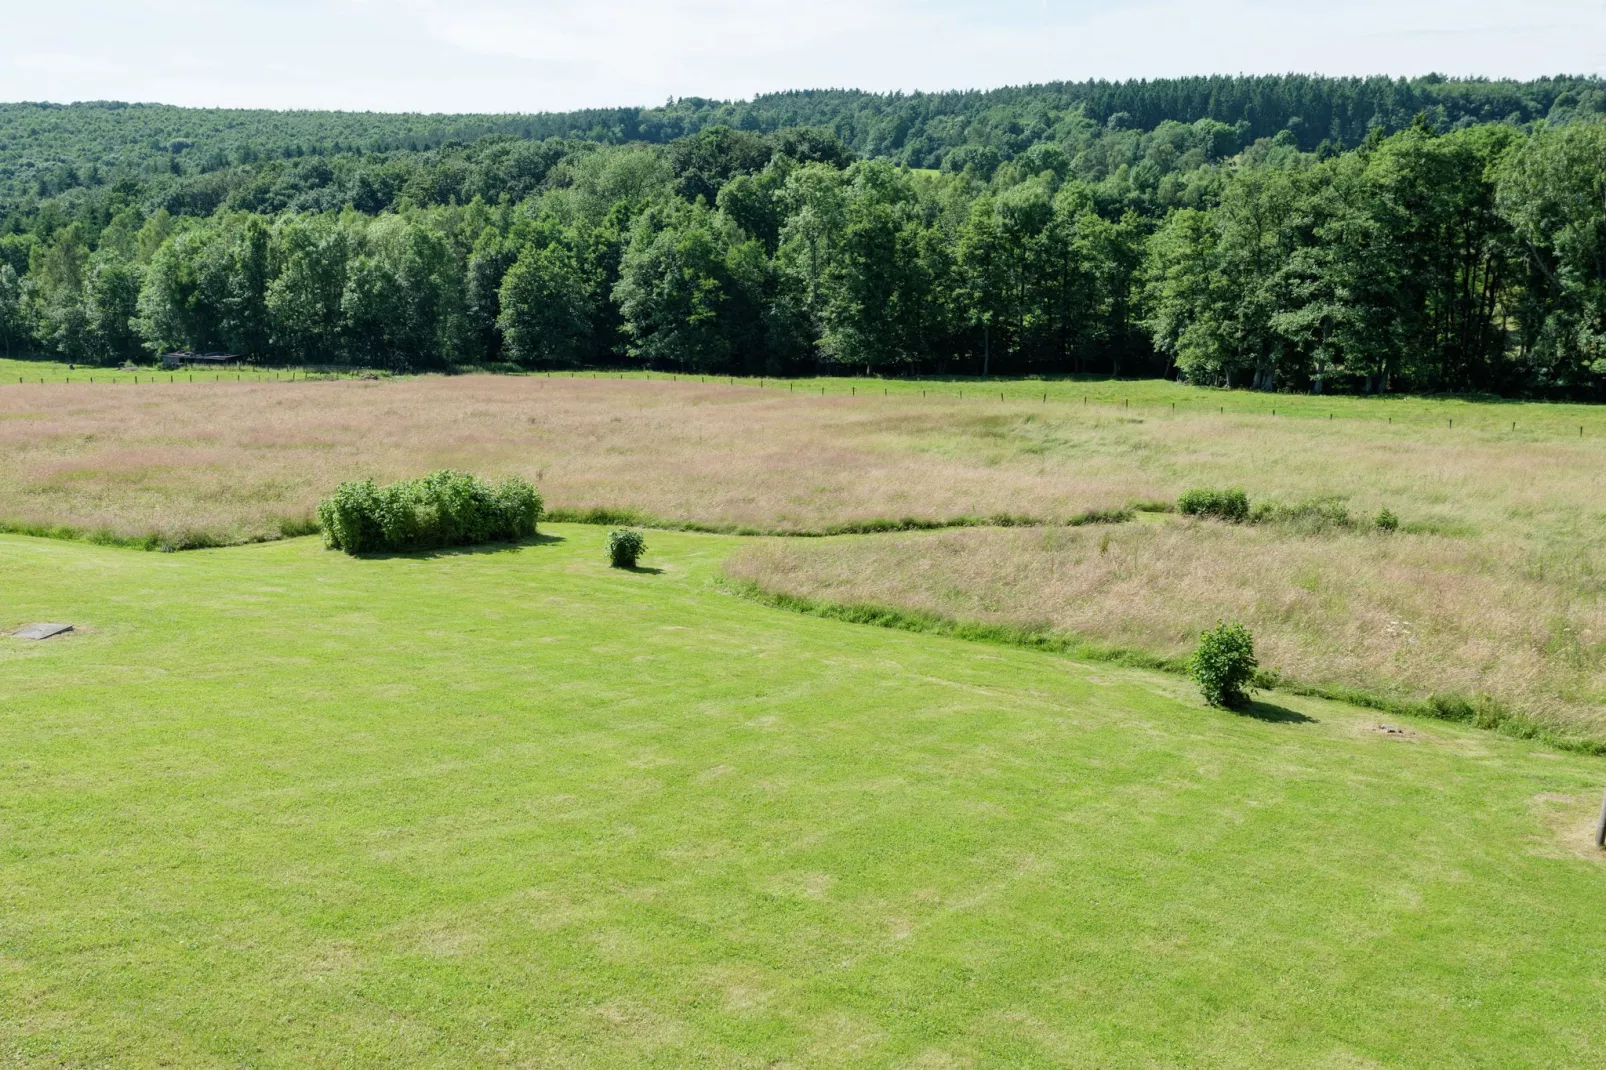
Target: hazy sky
(508,55)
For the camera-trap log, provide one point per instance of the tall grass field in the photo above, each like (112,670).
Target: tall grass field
(1487,594)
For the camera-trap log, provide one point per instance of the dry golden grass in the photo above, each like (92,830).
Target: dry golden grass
(1402,615)
(1494,588)
(236,459)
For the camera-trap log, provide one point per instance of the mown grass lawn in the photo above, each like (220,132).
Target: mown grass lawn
(272,805)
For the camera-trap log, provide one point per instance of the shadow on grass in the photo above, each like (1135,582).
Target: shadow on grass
(645,570)
(1272,713)
(466,551)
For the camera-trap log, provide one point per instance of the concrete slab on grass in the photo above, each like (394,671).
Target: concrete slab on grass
(41,631)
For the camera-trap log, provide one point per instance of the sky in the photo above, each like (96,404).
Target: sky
(536,55)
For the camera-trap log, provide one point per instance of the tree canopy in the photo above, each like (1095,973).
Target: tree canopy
(1275,233)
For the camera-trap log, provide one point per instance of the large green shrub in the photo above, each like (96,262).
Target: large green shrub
(1231,504)
(1224,664)
(444,508)
(625,547)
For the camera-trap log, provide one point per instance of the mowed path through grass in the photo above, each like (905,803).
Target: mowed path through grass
(272,805)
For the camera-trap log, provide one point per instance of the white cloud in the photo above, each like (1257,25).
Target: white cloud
(501,55)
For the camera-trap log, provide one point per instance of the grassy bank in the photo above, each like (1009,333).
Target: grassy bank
(1400,617)
(1480,711)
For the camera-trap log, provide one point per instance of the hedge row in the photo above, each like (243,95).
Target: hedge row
(444,508)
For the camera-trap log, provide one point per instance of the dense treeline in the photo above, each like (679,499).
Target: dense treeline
(725,250)
(1454,254)
(1471,260)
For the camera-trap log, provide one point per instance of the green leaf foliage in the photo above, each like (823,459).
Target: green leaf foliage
(1224,665)
(441,509)
(625,547)
(1231,505)
(1311,516)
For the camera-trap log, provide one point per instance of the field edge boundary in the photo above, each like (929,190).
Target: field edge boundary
(297,527)
(1481,711)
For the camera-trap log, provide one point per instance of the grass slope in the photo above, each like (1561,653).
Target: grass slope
(273,805)
(1401,616)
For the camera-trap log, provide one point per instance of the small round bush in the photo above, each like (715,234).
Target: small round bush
(1231,505)
(1224,664)
(624,547)
(1387,521)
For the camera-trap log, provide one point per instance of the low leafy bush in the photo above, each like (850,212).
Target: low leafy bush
(1224,664)
(1387,521)
(1099,516)
(1483,711)
(292,527)
(444,508)
(1310,515)
(625,547)
(1231,505)
(1010,520)
(594,515)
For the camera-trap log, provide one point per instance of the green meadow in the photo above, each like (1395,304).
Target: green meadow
(1148,397)
(271,805)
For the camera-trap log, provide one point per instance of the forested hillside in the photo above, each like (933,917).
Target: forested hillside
(1286,233)
(64,146)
